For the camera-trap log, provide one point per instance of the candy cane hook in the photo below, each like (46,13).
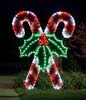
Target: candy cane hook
(66,18)
(25,16)
(17,24)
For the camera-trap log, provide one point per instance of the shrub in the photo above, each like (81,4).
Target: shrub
(20,78)
(72,80)
(43,81)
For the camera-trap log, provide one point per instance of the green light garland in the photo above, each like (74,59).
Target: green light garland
(43,53)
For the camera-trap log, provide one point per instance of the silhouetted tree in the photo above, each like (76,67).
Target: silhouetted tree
(78,41)
(77,45)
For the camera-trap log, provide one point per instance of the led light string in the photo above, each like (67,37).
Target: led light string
(43,45)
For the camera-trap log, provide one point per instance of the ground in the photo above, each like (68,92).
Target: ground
(8,92)
(53,94)
(7,88)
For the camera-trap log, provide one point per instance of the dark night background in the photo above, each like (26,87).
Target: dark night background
(9,53)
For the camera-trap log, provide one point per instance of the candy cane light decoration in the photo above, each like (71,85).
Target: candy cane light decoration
(43,44)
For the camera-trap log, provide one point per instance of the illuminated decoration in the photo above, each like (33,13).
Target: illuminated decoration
(43,44)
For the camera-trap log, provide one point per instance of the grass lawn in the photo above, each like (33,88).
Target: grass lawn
(52,94)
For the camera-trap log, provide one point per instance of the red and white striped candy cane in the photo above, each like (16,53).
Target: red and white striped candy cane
(32,76)
(30,18)
(66,18)
(17,24)
(55,19)
(52,26)
(54,75)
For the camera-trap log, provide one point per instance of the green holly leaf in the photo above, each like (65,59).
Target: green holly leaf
(29,46)
(43,57)
(56,46)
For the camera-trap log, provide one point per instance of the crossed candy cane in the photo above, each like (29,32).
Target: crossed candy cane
(43,44)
